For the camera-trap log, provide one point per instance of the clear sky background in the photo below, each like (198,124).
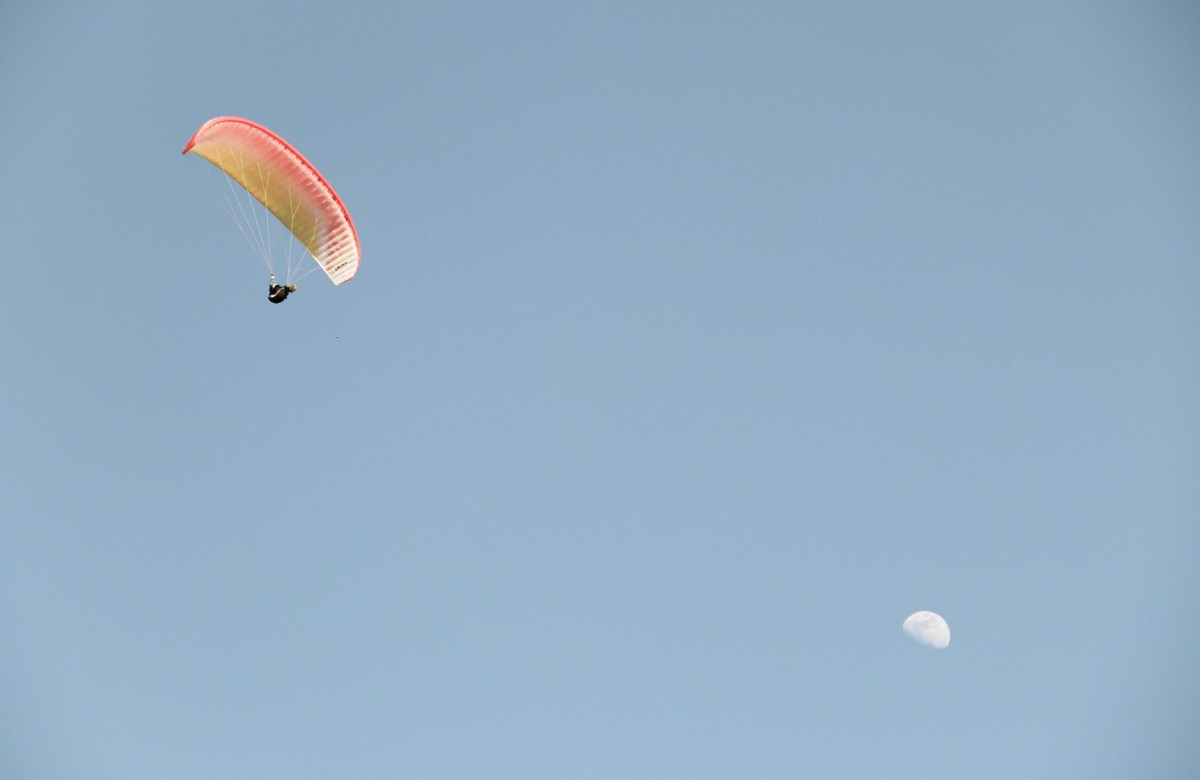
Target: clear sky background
(695,345)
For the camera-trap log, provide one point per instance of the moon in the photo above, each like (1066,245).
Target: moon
(928,628)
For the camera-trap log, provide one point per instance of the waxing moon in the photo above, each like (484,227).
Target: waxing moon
(928,628)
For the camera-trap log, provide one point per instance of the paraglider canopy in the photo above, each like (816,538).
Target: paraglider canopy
(288,185)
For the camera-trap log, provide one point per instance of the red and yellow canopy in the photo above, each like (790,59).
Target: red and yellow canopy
(279,177)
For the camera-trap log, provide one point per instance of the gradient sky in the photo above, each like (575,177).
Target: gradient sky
(695,345)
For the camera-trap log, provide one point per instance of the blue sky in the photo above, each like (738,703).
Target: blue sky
(694,347)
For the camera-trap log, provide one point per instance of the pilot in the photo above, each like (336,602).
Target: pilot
(278,293)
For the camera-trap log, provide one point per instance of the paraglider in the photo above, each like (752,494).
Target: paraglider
(276,175)
(278,293)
